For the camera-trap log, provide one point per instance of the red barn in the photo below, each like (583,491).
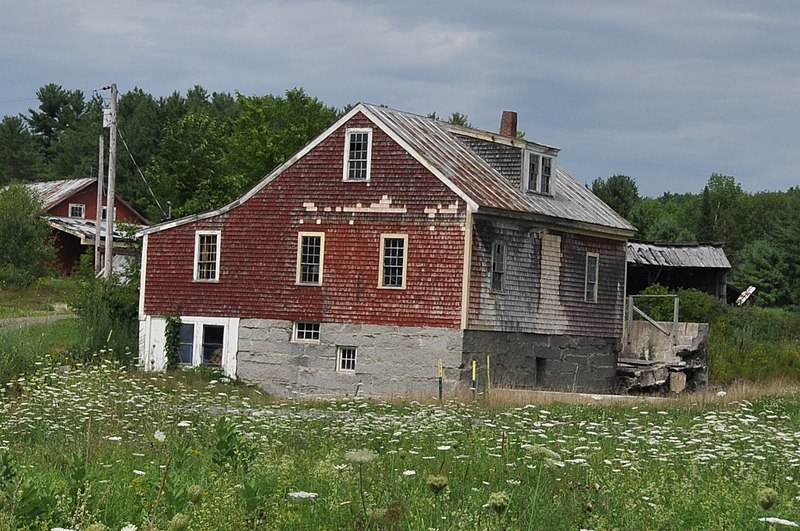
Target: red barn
(71,207)
(390,242)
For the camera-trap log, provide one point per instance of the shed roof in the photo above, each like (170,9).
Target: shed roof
(54,192)
(678,255)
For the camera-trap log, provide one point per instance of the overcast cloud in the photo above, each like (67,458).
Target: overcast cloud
(667,92)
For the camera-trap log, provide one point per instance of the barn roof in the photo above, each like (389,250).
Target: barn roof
(54,192)
(435,144)
(678,255)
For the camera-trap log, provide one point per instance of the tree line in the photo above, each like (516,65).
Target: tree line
(183,154)
(760,232)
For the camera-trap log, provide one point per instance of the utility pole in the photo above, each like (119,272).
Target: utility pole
(112,173)
(99,211)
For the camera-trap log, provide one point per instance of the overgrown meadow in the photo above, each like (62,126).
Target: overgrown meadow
(101,447)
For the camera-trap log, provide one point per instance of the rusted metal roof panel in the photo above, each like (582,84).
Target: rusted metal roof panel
(53,192)
(678,255)
(482,183)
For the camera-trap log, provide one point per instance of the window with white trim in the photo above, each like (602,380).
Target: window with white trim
(498,266)
(592,272)
(104,214)
(538,173)
(201,344)
(393,261)
(77,210)
(357,154)
(305,331)
(346,359)
(206,255)
(310,254)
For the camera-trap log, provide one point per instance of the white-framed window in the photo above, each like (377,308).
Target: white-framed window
(357,154)
(346,359)
(77,210)
(538,173)
(310,255)
(304,331)
(393,261)
(498,266)
(104,214)
(592,272)
(203,342)
(206,255)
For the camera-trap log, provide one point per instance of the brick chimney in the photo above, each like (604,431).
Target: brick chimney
(508,124)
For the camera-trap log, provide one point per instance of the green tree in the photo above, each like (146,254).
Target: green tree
(192,172)
(59,109)
(25,247)
(620,192)
(270,129)
(20,156)
(762,264)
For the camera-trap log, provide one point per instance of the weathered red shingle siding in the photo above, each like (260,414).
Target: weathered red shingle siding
(88,197)
(259,246)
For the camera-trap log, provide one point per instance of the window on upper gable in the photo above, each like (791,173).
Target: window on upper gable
(357,154)
(498,266)
(104,214)
(538,173)
(77,210)
(393,261)
(310,254)
(592,273)
(206,256)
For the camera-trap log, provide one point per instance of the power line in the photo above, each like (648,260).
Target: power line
(140,172)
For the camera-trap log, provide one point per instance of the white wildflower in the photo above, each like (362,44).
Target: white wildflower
(721,394)
(444,447)
(778,521)
(409,472)
(302,494)
(138,472)
(184,424)
(160,436)
(115,438)
(129,527)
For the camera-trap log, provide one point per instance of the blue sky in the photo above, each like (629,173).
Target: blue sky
(667,92)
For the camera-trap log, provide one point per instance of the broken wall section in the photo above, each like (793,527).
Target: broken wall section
(664,355)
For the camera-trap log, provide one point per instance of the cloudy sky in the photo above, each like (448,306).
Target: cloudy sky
(667,92)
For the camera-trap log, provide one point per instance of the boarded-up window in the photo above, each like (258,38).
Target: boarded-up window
(592,270)
(498,266)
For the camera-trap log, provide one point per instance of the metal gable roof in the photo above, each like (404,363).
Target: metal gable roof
(677,255)
(432,141)
(53,192)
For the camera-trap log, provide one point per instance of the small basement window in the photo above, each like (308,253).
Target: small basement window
(304,331)
(346,359)
(213,343)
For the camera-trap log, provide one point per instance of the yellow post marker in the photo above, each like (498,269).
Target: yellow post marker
(474,378)
(441,374)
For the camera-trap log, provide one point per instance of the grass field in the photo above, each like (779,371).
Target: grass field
(43,297)
(101,445)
